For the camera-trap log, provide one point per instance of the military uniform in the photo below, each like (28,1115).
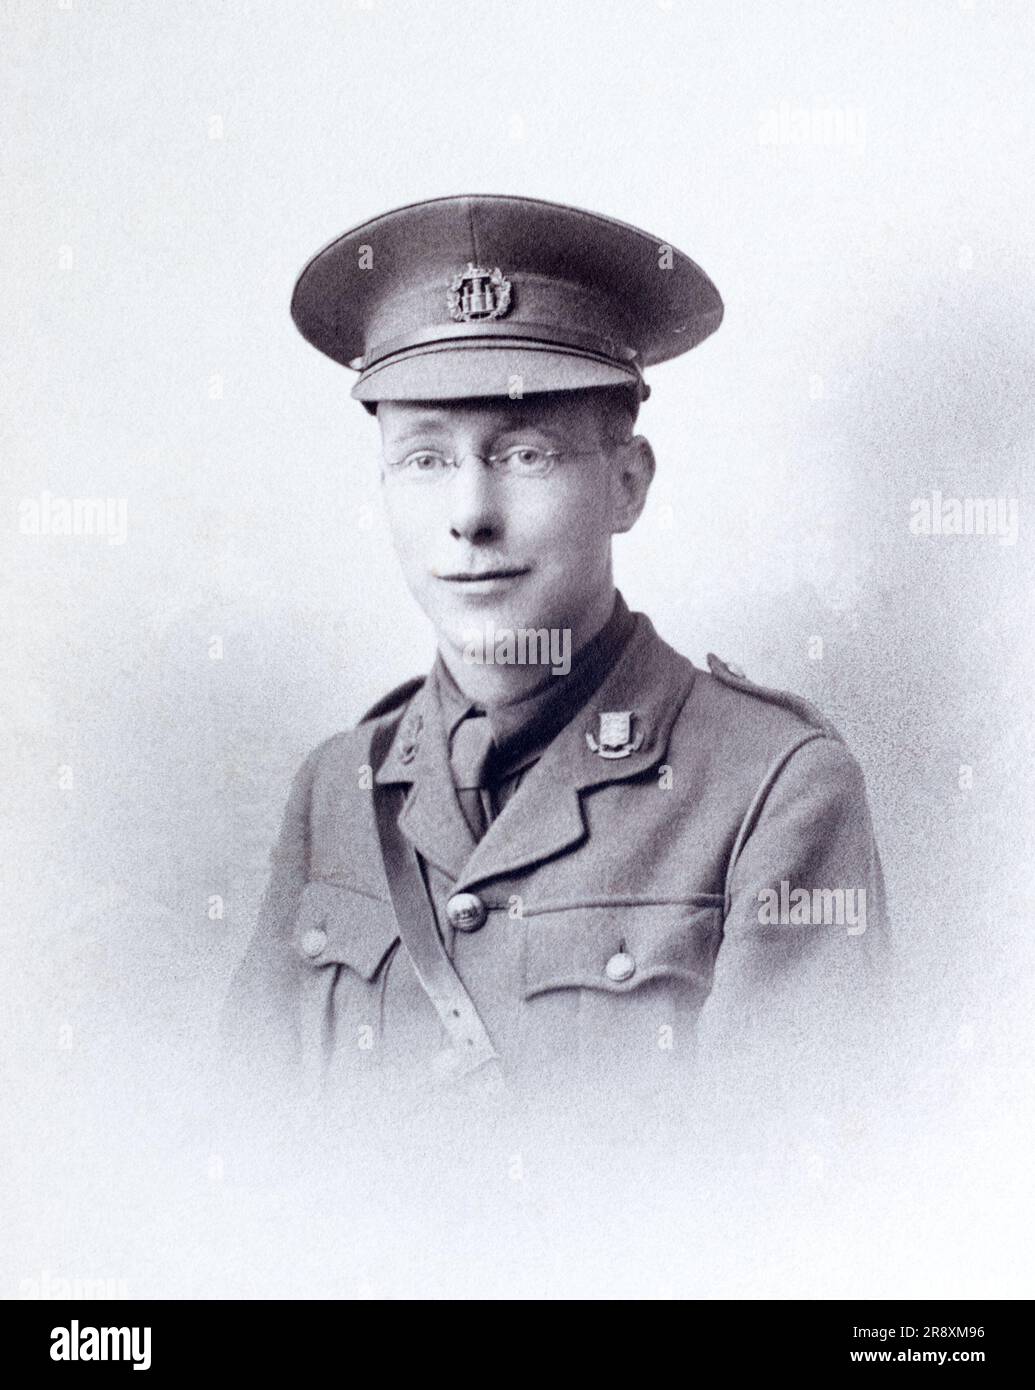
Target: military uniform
(626,900)
(615,930)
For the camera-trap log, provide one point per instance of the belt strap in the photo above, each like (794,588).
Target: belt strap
(471,1045)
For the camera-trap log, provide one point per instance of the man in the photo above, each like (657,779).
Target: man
(567,858)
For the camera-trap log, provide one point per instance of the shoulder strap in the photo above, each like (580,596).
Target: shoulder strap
(472,1047)
(805,709)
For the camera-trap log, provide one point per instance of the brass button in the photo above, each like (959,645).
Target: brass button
(620,967)
(466,911)
(314,940)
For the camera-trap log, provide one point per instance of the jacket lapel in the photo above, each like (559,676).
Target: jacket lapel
(431,818)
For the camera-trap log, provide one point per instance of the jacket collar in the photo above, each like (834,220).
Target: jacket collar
(650,681)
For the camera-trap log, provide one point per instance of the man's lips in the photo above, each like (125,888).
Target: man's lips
(474,576)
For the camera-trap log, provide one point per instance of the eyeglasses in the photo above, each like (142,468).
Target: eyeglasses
(519,461)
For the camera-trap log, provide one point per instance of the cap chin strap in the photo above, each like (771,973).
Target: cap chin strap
(546,335)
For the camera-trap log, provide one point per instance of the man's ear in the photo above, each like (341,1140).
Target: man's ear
(633,475)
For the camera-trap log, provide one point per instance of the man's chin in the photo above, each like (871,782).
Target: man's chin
(468,615)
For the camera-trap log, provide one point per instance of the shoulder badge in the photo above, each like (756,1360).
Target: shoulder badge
(734,677)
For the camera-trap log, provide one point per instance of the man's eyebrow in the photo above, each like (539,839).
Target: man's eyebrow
(441,421)
(524,427)
(421,426)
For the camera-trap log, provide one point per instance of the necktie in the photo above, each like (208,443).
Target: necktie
(469,754)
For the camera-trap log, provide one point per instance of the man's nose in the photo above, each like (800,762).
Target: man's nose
(474,501)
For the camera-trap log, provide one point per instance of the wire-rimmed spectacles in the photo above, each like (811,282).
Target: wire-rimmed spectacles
(518,461)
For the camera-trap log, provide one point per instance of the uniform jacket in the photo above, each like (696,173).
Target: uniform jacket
(708,857)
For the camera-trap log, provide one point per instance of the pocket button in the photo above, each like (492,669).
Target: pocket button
(620,967)
(314,940)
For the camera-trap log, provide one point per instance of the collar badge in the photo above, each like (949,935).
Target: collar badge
(410,739)
(616,738)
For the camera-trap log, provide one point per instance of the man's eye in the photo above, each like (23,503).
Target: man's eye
(527,458)
(423,461)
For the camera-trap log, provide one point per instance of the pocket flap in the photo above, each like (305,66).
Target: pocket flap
(339,924)
(620,948)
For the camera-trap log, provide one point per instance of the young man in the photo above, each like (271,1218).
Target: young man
(567,857)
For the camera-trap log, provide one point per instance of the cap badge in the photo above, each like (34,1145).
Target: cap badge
(477,294)
(410,738)
(616,738)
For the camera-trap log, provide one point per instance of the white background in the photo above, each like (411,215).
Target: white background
(168,170)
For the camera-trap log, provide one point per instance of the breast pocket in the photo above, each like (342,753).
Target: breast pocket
(344,940)
(337,925)
(621,983)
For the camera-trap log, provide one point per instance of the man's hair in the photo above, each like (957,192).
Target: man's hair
(620,406)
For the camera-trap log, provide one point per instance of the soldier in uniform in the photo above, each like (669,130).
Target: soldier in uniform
(567,856)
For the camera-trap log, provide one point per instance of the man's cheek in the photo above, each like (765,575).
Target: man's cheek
(410,543)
